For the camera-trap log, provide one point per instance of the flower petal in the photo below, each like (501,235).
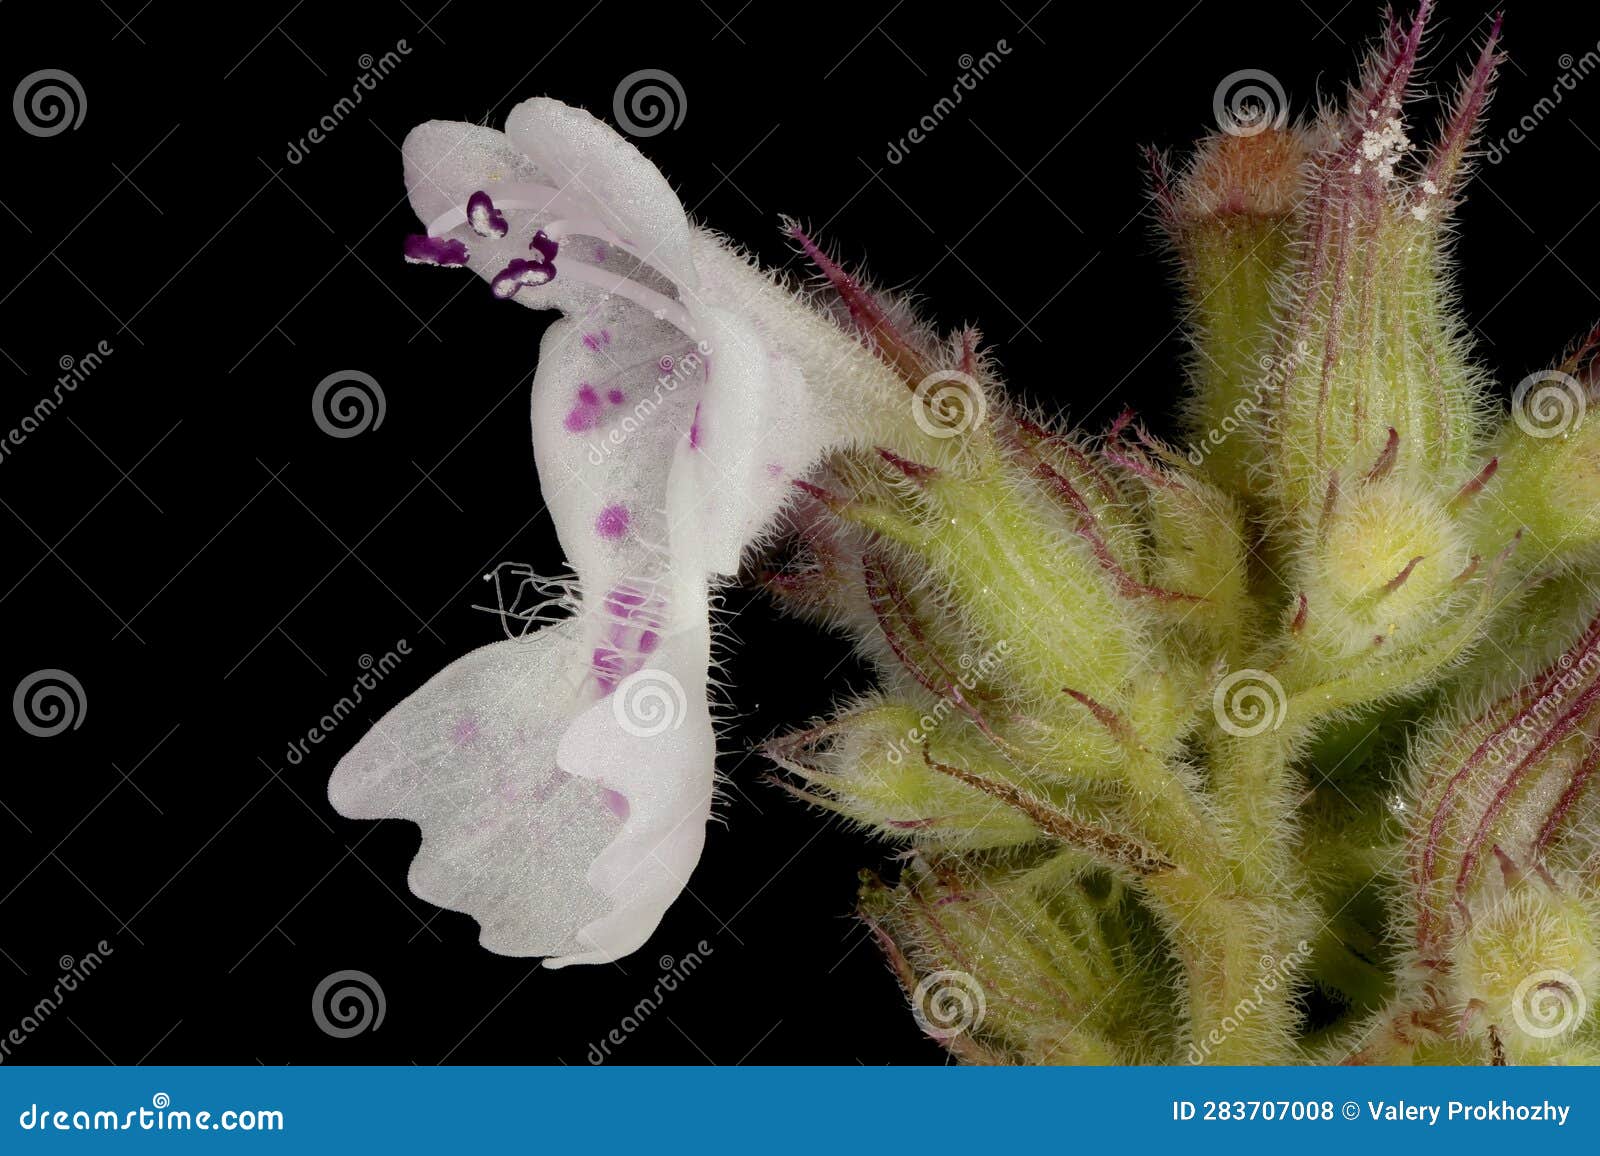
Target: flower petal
(603,174)
(675,402)
(609,210)
(507,837)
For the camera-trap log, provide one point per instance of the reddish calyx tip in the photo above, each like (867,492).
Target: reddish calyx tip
(1509,871)
(1103,714)
(876,330)
(1386,457)
(969,351)
(1330,501)
(1122,421)
(826,497)
(1474,486)
(1399,579)
(916,471)
(1450,153)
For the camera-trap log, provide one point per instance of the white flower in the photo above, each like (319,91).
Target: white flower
(563,781)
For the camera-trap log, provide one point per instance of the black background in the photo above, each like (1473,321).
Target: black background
(211,566)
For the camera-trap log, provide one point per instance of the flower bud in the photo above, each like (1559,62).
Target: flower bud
(1368,300)
(1512,777)
(1230,217)
(1383,566)
(1010,967)
(1198,558)
(1544,479)
(877,765)
(1527,971)
(1504,930)
(1012,562)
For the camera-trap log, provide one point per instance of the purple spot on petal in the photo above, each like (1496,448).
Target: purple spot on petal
(466,729)
(585,414)
(648,641)
(774,469)
(615,803)
(612,522)
(485,219)
(694,429)
(614,396)
(624,603)
(601,252)
(424,250)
